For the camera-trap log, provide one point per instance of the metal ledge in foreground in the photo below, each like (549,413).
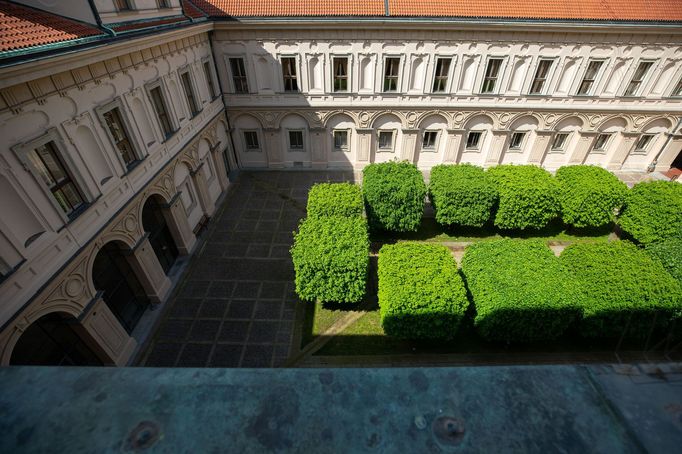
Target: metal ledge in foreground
(607,408)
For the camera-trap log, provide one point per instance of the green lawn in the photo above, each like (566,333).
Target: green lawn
(320,316)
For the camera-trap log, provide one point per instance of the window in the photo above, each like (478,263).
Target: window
(48,164)
(430,140)
(677,91)
(189,93)
(559,142)
(122,5)
(289,73)
(296,140)
(474,140)
(386,140)
(341,139)
(241,85)
(644,142)
(340,66)
(492,72)
(516,140)
(638,77)
(541,75)
(440,77)
(209,80)
(590,76)
(251,140)
(391,71)
(601,142)
(161,111)
(120,136)
(162,3)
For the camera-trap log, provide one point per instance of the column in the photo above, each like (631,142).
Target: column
(582,147)
(199,180)
(273,147)
(179,226)
(109,339)
(670,151)
(497,145)
(409,145)
(364,146)
(623,149)
(148,270)
(319,152)
(540,146)
(453,145)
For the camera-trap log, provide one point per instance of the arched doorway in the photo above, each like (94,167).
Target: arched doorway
(53,340)
(121,290)
(160,237)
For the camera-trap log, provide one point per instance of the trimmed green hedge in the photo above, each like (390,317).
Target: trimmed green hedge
(335,199)
(462,194)
(669,253)
(421,294)
(519,290)
(653,211)
(529,196)
(394,196)
(622,289)
(331,256)
(590,196)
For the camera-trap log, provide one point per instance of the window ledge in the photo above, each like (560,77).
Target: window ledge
(133,165)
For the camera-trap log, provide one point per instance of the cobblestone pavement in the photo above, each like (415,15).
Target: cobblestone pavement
(236,306)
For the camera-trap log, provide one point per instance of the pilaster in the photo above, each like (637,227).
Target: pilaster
(540,146)
(110,340)
(364,144)
(179,226)
(319,152)
(409,144)
(626,144)
(149,271)
(273,147)
(497,145)
(199,179)
(582,147)
(453,145)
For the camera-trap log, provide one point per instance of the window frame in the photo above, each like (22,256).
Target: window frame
(348,73)
(676,91)
(172,121)
(211,80)
(562,148)
(477,147)
(163,4)
(595,80)
(348,136)
(645,150)
(129,5)
(398,76)
(52,135)
(436,77)
(434,148)
(247,149)
(138,152)
(296,77)
(605,146)
(642,81)
(303,141)
(545,82)
(497,78)
(390,149)
(522,143)
(233,84)
(187,69)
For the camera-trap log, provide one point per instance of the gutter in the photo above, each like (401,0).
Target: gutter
(651,167)
(106,29)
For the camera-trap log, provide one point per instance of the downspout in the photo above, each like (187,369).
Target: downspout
(220,86)
(651,167)
(106,29)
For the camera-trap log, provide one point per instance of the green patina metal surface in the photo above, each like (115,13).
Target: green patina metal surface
(610,409)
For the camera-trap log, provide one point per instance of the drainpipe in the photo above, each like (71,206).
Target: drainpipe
(106,29)
(651,167)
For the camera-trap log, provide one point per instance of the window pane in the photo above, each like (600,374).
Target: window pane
(643,142)
(296,139)
(72,195)
(239,75)
(516,140)
(209,80)
(391,69)
(600,143)
(473,139)
(49,166)
(385,139)
(340,74)
(119,134)
(429,141)
(161,112)
(541,76)
(289,74)
(559,141)
(189,93)
(440,79)
(592,70)
(677,91)
(251,140)
(341,139)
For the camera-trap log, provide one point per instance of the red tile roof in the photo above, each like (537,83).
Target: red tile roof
(191,10)
(124,27)
(252,8)
(22,27)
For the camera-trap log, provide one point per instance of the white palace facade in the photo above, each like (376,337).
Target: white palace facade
(121,121)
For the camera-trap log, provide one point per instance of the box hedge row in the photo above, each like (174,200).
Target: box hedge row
(669,253)
(331,256)
(519,290)
(590,196)
(394,196)
(529,196)
(335,199)
(653,211)
(421,294)
(462,194)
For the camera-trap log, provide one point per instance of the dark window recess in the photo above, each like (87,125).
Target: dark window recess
(289,74)
(122,5)
(241,85)
(340,74)
(429,141)
(473,140)
(590,76)
(209,80)
(391,71)
(296,140)
(154,223)
(120,135)
(161,111)
(440,79)
(47,162)
(540,77)
(251,140)
(189,93)
(492,72)
(340,140)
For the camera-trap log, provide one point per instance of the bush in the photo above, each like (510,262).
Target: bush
(623,291)
(462,194)
(519,290)
(669,253)
(529,196)
(590,196)
(653,211)
(394,196)
(335,199)
(330,256)
(421,294)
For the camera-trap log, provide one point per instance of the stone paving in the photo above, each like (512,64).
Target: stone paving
(236,306)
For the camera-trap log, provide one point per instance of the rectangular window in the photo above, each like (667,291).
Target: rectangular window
(391,72)
(492,72)
(386,140)
(119,133)
(677,91)
(341,140)
(296,140)
(590,76)
(440,77)
(289,74)
(189,93)
(559,141)
(601,142)
(644,142)
(251,140)
(209,80)
(122,5)
(238,69)
(637,78)
(162,3)
(46,161)
(161,111)
(516,140)
(540,78)
(474,140)
(430,140)
(340,67)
